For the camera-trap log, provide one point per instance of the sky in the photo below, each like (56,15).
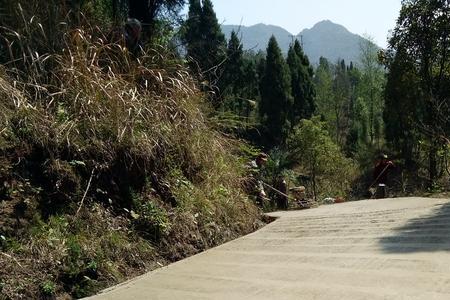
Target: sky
(364,17)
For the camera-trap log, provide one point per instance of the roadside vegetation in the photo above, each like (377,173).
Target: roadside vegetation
(108,165)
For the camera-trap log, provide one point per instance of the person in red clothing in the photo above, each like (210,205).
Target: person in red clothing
(380,174)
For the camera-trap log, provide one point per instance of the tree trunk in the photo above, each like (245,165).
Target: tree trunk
(432,162)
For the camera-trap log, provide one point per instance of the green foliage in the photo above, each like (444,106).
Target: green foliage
(303,90)
(404,110)
(239,89)
(158,16)
(48,288)
(231,83)
(10,244)
(276,100)
(370,88)
(330,171)
(350,101)
(420,37)
(150,219)
(205,42)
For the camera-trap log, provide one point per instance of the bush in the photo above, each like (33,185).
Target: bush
(331,173)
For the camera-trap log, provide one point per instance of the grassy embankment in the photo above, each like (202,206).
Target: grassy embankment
(108,167)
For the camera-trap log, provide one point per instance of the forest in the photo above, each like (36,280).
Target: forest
(127,128)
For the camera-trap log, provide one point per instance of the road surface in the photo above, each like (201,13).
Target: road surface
(377,249)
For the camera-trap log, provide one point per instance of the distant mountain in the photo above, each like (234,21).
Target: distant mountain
(332,41)
(257,37)
(326,39)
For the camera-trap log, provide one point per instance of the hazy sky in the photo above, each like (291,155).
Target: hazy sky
(373,17)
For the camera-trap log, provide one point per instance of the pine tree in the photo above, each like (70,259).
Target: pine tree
(372,82)
(231,83)
(192,33)
(276,100)
(303,89)
(250,83)
(214,39)
(205,45)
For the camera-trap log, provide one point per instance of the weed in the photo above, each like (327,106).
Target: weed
(11,244)
(150,219)
(48,288)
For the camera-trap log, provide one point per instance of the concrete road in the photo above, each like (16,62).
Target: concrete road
(379,249)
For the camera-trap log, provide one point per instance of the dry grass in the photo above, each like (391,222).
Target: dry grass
(91,122)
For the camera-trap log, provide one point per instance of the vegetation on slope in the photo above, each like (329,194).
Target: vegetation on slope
(108,167)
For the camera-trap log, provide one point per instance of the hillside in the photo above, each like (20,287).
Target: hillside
(325,38)
(108,166)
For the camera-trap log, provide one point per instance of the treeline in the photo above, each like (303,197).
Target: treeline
(393,101)
(275,91)
(264,96)
(417,95)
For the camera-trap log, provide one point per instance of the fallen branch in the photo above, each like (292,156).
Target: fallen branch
(85,192)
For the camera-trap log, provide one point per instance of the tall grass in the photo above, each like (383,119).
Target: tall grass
(86,127)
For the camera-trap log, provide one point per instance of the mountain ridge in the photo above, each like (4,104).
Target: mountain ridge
(325,38)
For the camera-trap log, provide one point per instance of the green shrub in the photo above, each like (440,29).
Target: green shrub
(331,173)
(48,288)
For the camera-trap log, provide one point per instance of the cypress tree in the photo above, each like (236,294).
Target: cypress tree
(191,32)
(214,40)
(303,89)
(276,100)
(231,83)
(205,44)
(234,63)
(150,12)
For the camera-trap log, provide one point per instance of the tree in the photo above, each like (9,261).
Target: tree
(276,100)
(371,88)
(303,90)
(312,147)
(308,85)
(191,33)
(205,44)
(324,87)
(422,32)
(341,101)
(232,80)
(214,39)
(250,83)
(404,110)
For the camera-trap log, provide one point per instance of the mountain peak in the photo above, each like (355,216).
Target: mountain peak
(325,38)
(327,26)
(325,23)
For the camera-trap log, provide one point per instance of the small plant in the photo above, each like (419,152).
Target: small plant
(10,244)
(151,220)
(48,288)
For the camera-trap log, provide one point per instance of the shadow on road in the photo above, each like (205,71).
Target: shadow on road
(424,234)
